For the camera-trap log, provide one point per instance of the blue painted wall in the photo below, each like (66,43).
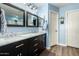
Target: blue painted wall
(53,8)
(62,11)
(61,27)
(43,12)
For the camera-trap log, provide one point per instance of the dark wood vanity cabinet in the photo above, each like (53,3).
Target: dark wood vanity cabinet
(27,47)
(14,49)
(37,45)
(34,46)
(7,50)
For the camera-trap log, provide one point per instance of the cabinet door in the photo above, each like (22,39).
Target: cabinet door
(33,46)
(44,40)
(7,50)
(36,45)
(25,48)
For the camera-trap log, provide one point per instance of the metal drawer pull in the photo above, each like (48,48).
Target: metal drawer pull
(35,39)
(35,44)
(35,50)
(19,45)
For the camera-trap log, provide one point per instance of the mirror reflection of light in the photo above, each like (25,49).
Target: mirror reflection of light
(14,18)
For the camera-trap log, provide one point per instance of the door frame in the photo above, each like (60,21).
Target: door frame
(66,20)
(51,11)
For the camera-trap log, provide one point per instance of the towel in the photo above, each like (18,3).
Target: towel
(3,22)
(0,19)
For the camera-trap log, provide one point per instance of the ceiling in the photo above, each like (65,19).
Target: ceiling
(39,4)
(59,5)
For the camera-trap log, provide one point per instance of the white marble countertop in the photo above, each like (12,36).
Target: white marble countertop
(8,40)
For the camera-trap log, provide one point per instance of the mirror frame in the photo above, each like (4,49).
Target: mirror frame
(27,19)
(10,25)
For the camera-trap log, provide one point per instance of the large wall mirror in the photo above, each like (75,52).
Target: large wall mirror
(13,14)
(31,20)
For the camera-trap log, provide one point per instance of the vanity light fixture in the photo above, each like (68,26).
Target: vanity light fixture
(32,6)
(29,4)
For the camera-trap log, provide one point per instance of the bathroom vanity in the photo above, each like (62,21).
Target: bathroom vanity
(24,45)
(31,44)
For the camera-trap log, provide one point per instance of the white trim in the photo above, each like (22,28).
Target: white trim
(48,47)
(66,32)
(62,44)
(51,11)
(72,10)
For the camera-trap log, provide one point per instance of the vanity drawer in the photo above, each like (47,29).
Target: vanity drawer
(34,51)
(33,41)
(8,50)
(12,49)
(17,44)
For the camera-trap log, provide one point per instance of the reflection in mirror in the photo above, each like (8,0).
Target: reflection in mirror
(41,21)
(14,15)
(31,20)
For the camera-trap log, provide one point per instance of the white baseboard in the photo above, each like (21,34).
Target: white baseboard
(57,44)
(62,44)
(48,47)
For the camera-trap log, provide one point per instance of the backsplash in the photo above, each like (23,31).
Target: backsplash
(22,29)
(13,31)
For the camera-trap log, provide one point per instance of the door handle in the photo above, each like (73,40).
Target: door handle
(55,30)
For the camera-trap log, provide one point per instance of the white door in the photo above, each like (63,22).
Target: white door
(73,29)
(53,28)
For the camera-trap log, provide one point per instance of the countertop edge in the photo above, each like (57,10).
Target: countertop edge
(6,42)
